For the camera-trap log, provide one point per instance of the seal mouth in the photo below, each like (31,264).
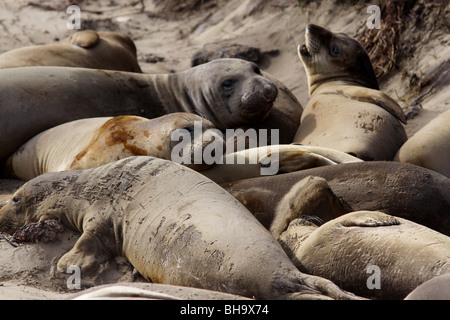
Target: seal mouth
(257,112)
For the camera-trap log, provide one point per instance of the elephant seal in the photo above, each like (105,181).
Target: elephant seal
(273,159)
(84,49)
(398,189)
(171,223)
(437,288)
(228,92)
(92,142)
(346,111)
(350,249)
(430,146)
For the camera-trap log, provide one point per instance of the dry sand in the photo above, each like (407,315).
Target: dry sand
(171,39)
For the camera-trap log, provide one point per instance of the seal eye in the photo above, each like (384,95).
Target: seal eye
(15,200)
(228,83)
(335,49)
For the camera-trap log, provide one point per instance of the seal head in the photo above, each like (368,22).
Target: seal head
(230,92)
(338,56)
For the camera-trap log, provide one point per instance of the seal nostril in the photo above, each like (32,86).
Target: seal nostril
(270,92)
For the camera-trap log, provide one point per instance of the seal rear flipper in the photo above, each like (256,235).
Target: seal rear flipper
(318,288)
(86,254)
(367,219)
(290,160)
(85,39)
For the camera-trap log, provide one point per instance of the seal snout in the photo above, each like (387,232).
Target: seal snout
(269,91)
(259,97)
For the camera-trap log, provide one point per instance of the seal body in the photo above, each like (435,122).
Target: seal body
(430,146)
(172,224)
(437,288)
(228,92)
(346,111)
(398,189)
(92,142)
(348,249)
(84,49)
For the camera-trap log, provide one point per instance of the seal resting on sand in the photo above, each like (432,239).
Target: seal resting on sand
(92,142)
(84,49)
(430,146)
(171,223)
(404,253)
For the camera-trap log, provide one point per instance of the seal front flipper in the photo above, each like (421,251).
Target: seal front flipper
(87,254)
(376,97)
(368,219)
(85,39)
(289,160)
(311,196)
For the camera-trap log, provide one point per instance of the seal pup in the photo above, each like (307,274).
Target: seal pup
(398,189)
(84,49)
(430,146)
(171,223)
(346,111)
(228,92)
(348,249)
(92,142)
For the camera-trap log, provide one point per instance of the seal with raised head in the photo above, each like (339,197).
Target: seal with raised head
(171,223)
(228,92)
(84,49)
(398,189)
(349,250)
(286,111)
(430,146)
(92,142)
(346,111)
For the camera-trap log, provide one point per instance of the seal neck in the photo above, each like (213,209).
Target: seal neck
(344,80)
(190,97)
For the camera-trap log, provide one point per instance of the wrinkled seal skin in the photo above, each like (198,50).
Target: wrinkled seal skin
(346,110)
(89,143)
(406,253)
(430,146)
(172,224)
(398,189)
(84,49)
(228,92)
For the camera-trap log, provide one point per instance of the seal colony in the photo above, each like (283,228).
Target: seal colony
(292,235)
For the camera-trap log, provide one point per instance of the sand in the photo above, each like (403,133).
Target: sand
(165,43)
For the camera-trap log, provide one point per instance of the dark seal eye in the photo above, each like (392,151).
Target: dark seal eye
(228,83)
(15,200)
(335,49)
